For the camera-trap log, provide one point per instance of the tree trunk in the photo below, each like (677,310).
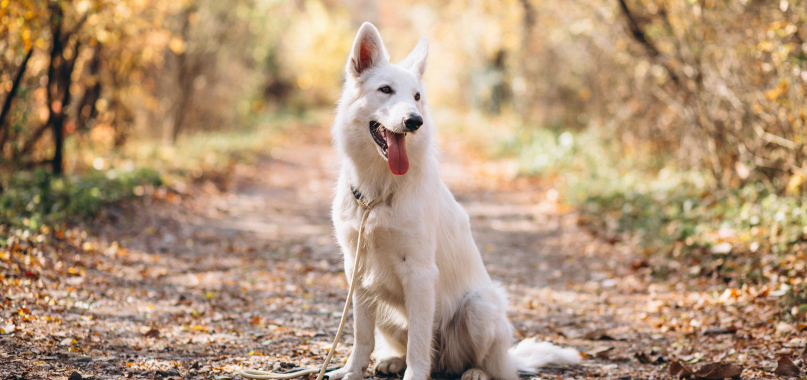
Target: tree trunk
(4,129)
(185,75)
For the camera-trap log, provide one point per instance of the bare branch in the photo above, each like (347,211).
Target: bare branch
(77,26)
(640,36)
(778,140)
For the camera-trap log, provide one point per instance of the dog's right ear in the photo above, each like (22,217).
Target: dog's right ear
(367,52)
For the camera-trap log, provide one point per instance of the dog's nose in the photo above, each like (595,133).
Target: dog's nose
(413,122)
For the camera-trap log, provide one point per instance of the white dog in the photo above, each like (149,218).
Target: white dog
(424,301)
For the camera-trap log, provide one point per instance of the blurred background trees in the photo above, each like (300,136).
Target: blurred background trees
(713,85)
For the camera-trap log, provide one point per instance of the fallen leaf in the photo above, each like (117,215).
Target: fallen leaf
(153,333)
(597,335)
(638,264)
(67,341)
(8,328)
(600,352)
(784,328)
(717,371)
(784,352)
(676,368)
(786,367)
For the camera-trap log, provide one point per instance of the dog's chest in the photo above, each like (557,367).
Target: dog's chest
(381,264)
(393,243)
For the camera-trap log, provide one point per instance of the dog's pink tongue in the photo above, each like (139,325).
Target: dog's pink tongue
(396,153)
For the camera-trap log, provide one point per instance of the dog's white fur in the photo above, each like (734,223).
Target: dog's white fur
(425,302)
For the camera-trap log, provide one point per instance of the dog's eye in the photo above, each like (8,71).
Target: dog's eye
(417,96)
(386,89)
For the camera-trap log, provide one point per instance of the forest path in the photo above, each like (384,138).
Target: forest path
(214,281)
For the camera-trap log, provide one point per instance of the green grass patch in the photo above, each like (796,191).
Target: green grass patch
(102,176)
(30,200)
(744,235)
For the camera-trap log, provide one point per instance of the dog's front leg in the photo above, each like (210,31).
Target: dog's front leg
(364,339)
(419,284)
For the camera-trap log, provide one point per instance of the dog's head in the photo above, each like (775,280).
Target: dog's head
(384,103)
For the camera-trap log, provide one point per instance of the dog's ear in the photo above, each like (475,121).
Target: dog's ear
(417,58)
(368,50)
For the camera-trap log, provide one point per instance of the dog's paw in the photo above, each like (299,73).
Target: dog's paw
(475,374)
(345,374)
(390,366)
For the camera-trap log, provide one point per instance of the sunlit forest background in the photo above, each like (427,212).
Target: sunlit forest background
(675,125)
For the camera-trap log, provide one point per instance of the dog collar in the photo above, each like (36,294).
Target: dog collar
(362,201)
(360,197)
(356,193)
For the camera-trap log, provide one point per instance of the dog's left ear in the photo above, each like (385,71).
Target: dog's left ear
(417,58)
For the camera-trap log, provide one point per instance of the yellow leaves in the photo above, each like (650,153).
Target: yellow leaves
(68,342)
(177,45)
(794,185)
(728,295)
(304,81)
(775,93)
(315,47)
(584,94)
(83,6)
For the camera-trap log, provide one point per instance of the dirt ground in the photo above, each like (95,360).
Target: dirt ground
(206,283)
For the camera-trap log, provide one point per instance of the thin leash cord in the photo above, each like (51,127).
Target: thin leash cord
(255,374)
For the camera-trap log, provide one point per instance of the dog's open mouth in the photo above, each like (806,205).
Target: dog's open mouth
(392,147)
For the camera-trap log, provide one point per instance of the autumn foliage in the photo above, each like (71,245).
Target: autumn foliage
(718,85)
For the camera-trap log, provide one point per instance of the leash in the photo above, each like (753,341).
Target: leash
(261,375)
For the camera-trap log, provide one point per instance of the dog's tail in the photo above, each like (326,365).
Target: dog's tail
(529,355)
